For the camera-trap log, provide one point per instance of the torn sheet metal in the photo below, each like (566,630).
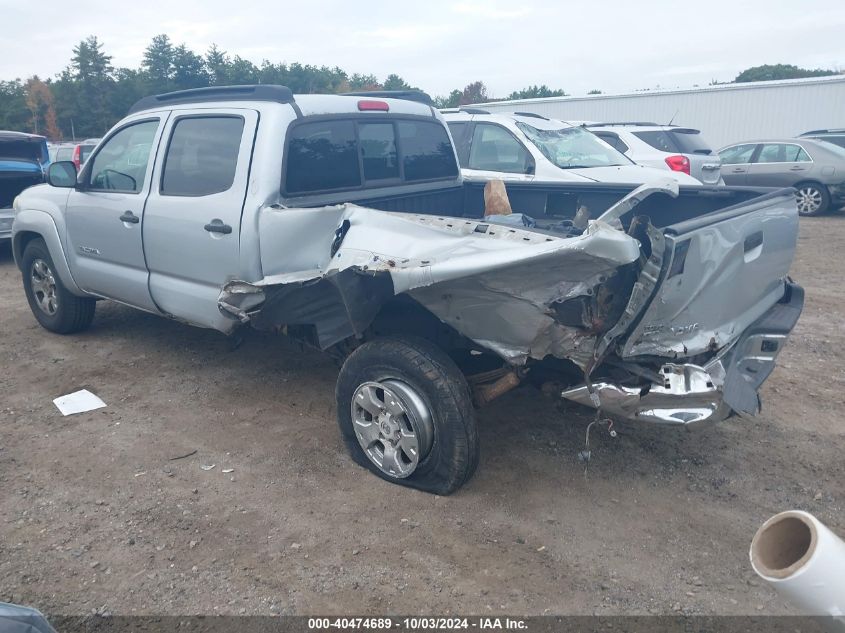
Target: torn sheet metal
(497,285)
(687,394)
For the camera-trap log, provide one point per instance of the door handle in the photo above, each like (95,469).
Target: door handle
(217,226)
(130,217)
(797,168)
(739,170)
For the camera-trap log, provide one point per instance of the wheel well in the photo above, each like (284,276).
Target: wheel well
(403,316)
(810,182)
(19,244)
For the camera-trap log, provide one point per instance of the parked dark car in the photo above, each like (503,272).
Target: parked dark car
(835,136)
(815,168)
(23,160)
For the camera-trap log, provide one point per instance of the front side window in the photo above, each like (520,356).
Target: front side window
(573,147)
(495,149)
(322,156)
(121,164)
(202,156)
(738,154)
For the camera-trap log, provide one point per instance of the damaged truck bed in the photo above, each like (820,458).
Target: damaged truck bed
(343,222)
(691,317)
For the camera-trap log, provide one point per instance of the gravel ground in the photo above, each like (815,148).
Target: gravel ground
(94,515)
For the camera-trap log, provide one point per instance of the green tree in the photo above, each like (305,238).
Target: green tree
(771,72)
(14,114)
(594,92)
(536,92)
(188,69)
(452,100)
(158,64)
(476,92)
(82,92)
(364,82)
(395,82)
(216,64)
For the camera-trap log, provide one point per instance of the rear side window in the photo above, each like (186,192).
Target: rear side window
(658,139)
(341,154)
(683,141)
(202,156)
(323,155)
(690,141)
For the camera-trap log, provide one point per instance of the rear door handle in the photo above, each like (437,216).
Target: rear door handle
(217,226)
(130,217)
(739,170)
(797,168)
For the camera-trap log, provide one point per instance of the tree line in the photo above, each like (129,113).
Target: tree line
(90,94)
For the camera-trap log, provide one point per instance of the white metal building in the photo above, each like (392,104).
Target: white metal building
(724,113)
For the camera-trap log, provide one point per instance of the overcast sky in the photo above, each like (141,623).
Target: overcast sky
(612,45)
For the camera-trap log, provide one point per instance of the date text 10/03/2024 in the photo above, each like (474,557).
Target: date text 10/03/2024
(417,623)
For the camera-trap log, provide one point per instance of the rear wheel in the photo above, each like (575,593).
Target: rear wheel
(405,413)
(812,198)
(53,305)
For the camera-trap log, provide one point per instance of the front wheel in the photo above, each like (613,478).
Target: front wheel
(812,198)
(405,413)
(53,305)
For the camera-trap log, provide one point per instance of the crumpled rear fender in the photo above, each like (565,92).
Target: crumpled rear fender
(500,286)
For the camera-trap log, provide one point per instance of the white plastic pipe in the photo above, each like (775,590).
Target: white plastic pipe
(803,561)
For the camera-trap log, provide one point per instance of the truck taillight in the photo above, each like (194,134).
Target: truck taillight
(678,163)
(371,104)
(77,156)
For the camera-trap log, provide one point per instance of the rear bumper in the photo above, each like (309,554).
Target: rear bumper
(7,216)
(693,394)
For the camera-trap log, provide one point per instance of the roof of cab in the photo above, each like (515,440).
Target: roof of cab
(313,104)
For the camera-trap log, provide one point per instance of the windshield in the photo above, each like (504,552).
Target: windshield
(573,147)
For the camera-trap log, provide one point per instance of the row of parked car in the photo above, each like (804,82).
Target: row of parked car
(528,146)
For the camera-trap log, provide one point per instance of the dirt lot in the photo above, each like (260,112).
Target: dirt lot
(94,515)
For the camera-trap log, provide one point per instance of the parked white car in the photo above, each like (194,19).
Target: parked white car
(667,147)
(525,146)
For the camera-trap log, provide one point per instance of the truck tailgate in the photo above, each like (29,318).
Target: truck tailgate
(720,273)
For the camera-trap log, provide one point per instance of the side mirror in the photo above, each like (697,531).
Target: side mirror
(62,174)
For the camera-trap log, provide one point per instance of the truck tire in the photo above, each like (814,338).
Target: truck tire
(53,305)
(405,412)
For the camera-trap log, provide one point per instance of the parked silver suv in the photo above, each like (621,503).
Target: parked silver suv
(680,149)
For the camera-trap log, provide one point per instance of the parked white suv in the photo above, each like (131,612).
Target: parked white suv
(526,146)
(668,147)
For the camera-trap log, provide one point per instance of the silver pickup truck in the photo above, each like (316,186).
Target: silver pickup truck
(342,221)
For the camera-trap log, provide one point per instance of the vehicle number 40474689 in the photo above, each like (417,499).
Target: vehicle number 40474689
(417,623)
